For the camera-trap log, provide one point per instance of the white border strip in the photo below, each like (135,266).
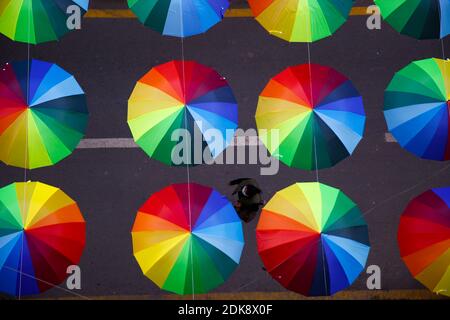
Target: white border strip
(128,143)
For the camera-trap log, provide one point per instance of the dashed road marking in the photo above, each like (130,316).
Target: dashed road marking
(388,137)
(128,143)
(115,143)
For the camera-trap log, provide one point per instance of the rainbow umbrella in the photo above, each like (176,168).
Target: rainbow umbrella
(187,238)
(43,114)
(37,21)
(424,239)
(310,116)
(179,18)
(312,239)
(188,100)
(301,20)
(416,108)
(42,232)
(421,19)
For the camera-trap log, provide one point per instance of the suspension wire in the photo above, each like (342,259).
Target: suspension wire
(25,171)
(312,106)
(53,285)
(189,155)
(315,155)
(443,49)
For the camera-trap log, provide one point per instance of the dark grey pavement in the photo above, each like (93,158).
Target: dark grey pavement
(109,55)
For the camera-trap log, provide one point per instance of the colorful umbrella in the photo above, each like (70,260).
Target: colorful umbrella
(37,21)
(310,116)
(43,114)
(179,18)
(421,19)
(301,20)
(312,239)
(416,108)
(424,239)
(187,238)
(42,232)
(182,95)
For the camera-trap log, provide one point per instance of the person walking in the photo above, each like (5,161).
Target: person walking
(248,198)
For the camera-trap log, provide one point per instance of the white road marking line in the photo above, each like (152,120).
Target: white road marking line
(128,143)
(389,138)
(115,143)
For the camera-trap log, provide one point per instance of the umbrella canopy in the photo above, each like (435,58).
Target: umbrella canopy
(182,95)
(43,114)
(312,239)
(37,21)
(301,20)
(179,18)
(187,238)
(421,19)
(317,114)
(42,232)
(416,108)
(424,239)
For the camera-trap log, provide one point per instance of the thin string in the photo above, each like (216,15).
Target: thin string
(315,159)
(315,154)
(53,285)
(324,271)
(312,105)
(445,62)
(25,172)
(408,189)
(443,49)
(444,57)
(188,173)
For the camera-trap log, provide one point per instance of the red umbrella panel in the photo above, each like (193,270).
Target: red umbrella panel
(424,239)
(42,233)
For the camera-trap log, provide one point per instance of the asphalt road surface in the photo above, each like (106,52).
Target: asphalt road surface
(108,56)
